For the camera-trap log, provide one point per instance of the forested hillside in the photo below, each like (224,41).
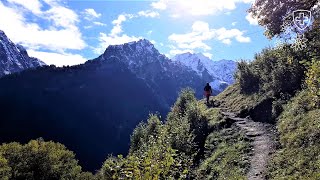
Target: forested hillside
(82,107)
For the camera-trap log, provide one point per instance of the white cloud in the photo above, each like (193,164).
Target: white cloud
(58,59)
(251,20)
(149,32)
(223,33)
(106,40)
(116,36)
(161,5)
(62,16)
(201,32)
(226,41)
(87,27)
(91,14)
(99,23)
(196,7)
(117,28)
(61,35)
(243,39)
(148,13)
(234,23)
(32,5)
(209,55)
(179,51)
(200,26)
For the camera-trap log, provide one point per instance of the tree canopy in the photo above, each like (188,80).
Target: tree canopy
(271,14)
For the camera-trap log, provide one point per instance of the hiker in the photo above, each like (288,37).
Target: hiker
(207,92)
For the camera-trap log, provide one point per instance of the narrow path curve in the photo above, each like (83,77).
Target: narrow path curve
(262,141)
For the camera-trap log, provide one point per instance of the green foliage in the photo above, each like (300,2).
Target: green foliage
(215,119)
(155,163)
(313,82)
(174,149)
(186,97)
(154,159)
(151,153)
(5,169)
(299,130)
(38,160)
(236,101)
(144,132)
(248,79)
(187,125)
(296,163)
(277,71)
(226,156)
(271,14)
(299,124)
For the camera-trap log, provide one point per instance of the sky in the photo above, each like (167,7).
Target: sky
(62,32)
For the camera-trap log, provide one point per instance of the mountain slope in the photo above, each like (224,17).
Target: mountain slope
(91,106)
(14,58)
(96,104)
(165,77)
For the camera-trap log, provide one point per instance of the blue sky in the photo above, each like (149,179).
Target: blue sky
(70,32)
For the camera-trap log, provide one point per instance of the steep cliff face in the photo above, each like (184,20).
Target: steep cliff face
(14,58)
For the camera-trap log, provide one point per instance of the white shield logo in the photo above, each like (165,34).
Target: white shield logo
(302,19)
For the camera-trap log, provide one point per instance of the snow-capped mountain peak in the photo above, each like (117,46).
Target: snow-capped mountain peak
(145,61)
(14,58)
(221,70)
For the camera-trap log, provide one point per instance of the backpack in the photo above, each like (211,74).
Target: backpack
(207,88)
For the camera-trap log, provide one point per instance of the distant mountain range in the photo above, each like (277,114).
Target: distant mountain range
(165,77)
(220,73)
(92,108)
(14,58)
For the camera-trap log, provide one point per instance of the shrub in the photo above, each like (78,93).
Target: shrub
(248,80)
(313,82)
(39,160)
(274,70)
(186,97)
(5,170)
(144,131)
(163,151)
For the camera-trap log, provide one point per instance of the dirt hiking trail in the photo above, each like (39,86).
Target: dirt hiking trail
(262,137)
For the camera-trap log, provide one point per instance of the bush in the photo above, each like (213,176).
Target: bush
(174,149)
(187,124)
(313,82)
(38,160)
(154,160)
(5,170)
(273,70)
(179,108)
(248,80)
(143,132)
(163,151)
